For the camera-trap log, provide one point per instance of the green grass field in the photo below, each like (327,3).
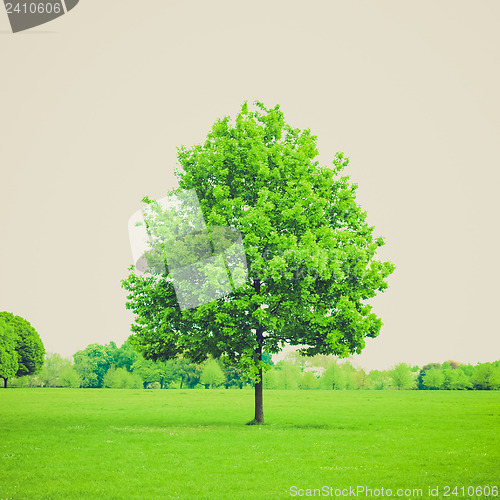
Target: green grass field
(93,443)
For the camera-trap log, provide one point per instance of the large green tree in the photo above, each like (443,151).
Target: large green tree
(28,345)
(309,250)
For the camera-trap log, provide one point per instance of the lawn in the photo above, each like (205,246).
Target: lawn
(125,444)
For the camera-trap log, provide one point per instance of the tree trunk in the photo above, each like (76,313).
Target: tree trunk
(259,403)
(5,382)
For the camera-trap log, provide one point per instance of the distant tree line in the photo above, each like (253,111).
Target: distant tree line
(110,366)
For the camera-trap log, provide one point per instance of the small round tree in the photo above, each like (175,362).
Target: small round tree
(27,346)
(8,355)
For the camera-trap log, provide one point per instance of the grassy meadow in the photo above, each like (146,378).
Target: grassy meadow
(125,444)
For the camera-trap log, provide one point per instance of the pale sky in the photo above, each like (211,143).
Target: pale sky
(95,103)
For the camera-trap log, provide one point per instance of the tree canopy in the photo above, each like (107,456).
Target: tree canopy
(308,247)
(21,348)
(8,355)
